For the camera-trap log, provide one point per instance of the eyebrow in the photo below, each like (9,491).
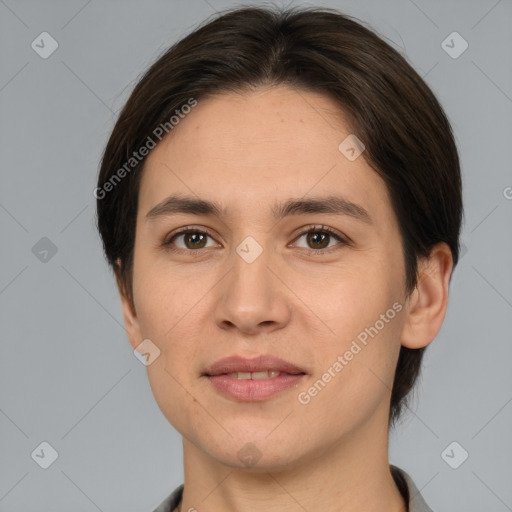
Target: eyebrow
(335,205)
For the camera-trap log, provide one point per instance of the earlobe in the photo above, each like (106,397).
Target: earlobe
(131,322)
(428,302)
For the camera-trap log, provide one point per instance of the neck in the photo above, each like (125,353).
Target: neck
(351,476)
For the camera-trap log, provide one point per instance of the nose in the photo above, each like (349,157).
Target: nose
(252,298)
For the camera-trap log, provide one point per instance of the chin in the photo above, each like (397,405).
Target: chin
(258,455)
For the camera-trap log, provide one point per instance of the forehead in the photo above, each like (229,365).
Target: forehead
(257,147)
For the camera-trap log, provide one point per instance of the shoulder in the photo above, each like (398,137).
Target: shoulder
(409,490)
(172,501)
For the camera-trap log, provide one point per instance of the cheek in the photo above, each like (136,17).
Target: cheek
(361,321)
(170,312)
(353,379)
(163,299)
(347,298)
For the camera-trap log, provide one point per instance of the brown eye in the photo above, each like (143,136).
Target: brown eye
(194,240)
(189,240)
(318,239)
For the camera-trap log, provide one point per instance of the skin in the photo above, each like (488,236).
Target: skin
(247,151)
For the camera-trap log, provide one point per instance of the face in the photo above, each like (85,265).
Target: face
(321,289)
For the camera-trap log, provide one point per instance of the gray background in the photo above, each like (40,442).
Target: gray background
(68,374)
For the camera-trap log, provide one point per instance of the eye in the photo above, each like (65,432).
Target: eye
(318,237)
(193,239)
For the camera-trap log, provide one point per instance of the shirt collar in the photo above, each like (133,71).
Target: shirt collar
(409,490)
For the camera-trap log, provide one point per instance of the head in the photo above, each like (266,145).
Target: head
(252,109)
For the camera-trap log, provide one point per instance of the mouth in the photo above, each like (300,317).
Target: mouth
(253,380)
(263,374)
(261,367)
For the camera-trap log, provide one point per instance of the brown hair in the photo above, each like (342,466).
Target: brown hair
(408,139)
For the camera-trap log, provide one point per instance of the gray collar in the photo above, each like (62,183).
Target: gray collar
(409,490)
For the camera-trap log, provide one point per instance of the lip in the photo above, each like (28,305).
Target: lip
(260,363)
(253,390)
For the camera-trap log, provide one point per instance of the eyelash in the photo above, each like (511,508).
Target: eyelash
(167,244)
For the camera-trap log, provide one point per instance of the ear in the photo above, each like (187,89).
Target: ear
(131,322)
(427,305)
